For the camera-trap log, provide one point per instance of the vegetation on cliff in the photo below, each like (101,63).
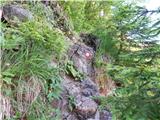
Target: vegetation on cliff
(125,33)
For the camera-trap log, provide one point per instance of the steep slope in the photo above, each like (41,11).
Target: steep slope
(45,41)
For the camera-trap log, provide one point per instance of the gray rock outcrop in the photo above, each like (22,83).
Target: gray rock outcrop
(13,12)
(82,91)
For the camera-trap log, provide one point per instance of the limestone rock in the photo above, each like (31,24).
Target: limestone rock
(69,116)
(71,86)
(96,117)
(89,88)
(105,115)
(85,107)
(10,12)
(82,62)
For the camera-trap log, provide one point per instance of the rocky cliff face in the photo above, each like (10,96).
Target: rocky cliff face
(85,107)
(77,101)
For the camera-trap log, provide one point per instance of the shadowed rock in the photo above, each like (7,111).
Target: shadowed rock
(89,88)
(10,12)
(105,115)
(90,40)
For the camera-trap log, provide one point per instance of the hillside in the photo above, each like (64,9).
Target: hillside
(79,60)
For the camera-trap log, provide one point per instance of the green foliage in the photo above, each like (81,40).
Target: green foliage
(43,111)
(55,86)
(52,40)
(3,2)
(137,72)
(75,11)
(7,77)
(27,50)
(71,70)
(122,28)
(137,97)
(87,18)
(42,12)
(71,102)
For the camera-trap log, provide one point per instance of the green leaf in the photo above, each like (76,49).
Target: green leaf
(7,73)
(8,80)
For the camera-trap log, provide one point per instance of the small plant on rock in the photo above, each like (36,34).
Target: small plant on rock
(71,70)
